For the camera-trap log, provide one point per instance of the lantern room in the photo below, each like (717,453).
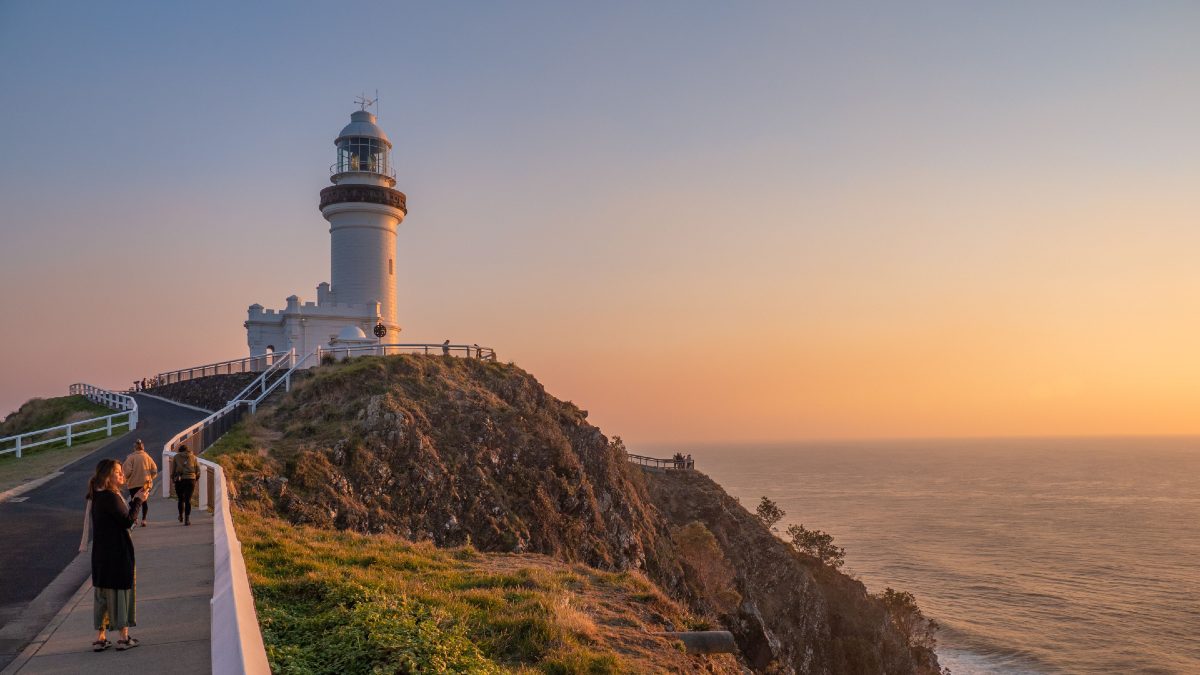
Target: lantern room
(363,152)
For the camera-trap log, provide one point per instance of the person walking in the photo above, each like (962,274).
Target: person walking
(113,574)
(140,471)
(185,469)
(446,348)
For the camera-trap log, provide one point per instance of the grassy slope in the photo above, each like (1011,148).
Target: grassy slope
(40,413)
(335,602)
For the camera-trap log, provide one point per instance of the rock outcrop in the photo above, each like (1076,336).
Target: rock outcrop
(795,612)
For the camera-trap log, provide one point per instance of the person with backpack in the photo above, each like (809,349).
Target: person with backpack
(185,470)
(140,471)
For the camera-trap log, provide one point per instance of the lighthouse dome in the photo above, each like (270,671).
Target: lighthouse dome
(362,125)
(351,333)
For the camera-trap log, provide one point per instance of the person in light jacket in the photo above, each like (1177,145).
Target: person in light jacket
(113,572)
(140,471)
(185,470)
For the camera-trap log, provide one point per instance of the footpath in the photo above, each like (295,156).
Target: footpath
(174,587)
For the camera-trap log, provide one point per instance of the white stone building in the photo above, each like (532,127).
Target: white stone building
(364,211)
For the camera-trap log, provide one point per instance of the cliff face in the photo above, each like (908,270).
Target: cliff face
(455,450)
(795,613)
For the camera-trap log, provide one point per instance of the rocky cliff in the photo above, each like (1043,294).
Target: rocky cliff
(456,450)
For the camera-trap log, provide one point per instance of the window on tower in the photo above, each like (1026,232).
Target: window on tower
(391,268)
(362,154)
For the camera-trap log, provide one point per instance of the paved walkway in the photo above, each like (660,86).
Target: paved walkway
(174,587)
(39,531)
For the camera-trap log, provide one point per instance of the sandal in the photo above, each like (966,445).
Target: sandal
(129,643)
(101,645)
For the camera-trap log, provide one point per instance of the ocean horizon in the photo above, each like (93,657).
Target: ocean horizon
(1035,555)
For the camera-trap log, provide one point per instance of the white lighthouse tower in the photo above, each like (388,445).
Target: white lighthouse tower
(364,211)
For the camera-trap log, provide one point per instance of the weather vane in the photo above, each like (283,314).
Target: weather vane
(363,101)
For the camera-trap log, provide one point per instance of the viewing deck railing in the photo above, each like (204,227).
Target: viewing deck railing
(467,351)
(73,431)
(250,364)
(680,463)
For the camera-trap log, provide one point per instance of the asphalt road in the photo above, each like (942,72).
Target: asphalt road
(39,535)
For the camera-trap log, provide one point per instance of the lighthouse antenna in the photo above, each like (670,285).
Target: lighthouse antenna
(363,101)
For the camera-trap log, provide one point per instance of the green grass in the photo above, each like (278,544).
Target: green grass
(46,413)
(237,439)
(337,602)
(43,413)
(40,413)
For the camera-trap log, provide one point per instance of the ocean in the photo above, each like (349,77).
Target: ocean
(1035,555)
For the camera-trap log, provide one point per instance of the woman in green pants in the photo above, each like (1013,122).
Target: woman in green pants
(112,555)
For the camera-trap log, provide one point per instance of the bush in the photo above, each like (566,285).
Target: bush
(918,630)
(712,572)
(770,513)
(817,544)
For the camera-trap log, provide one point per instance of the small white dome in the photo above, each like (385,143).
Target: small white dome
(362,124)
(352,333)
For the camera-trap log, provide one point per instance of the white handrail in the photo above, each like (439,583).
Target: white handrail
(468,351)
(261,380)
(249,364)
(126,404)
(237,642)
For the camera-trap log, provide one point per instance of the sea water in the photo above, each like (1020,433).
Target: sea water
(1034,555)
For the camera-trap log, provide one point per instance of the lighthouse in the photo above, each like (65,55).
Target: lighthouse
(364,210)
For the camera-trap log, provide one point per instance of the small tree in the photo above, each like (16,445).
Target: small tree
(770,513)
(711,569)
(817,544)
(617,447)
(918,630)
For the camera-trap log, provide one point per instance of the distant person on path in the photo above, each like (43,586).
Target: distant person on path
(446,348)
(185,469)
(112,556)
(140,471)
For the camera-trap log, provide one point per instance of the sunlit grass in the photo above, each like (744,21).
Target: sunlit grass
(344,602)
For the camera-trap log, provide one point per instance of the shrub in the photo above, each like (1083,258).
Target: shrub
(770,513)
(918,630)
(712,572)
(817,544)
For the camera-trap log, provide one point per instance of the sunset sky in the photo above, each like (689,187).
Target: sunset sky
(698,221)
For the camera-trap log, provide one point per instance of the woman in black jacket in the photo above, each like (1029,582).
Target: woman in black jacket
(112,555)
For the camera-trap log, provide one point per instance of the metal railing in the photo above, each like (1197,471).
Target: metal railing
(250,364)
(467,351)
(371,167)
(237,644)
(679,463)
(262,386)
(76,430)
